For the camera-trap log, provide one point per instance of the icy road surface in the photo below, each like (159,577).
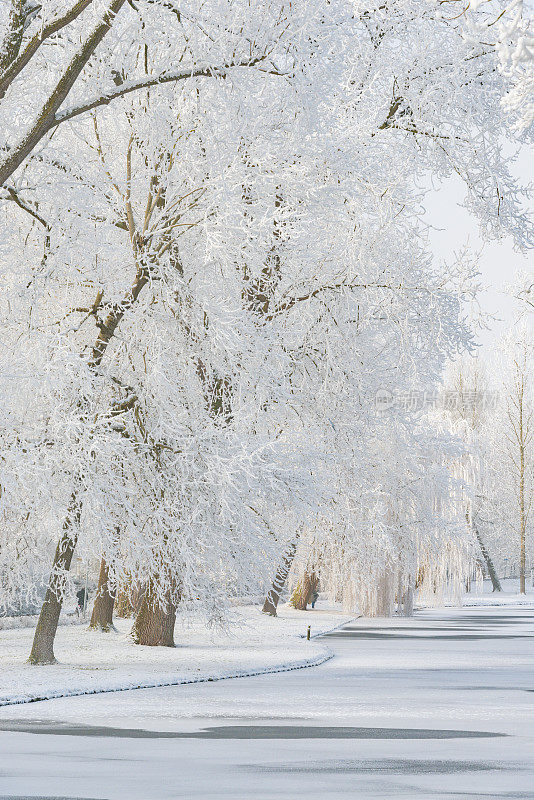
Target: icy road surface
(436,707)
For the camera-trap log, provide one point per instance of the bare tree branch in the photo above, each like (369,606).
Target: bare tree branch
(15,197)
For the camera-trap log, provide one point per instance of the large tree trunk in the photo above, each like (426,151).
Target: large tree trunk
(385,594)
(43,642)
(404,596)
(273,595)
(405,602)
(304,591)
(102,616)
(154,625)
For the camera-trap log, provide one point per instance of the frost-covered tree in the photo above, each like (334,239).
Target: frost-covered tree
(518,430)
(53,46)
(469,405)
(493,417)
(221,290)
(507,27)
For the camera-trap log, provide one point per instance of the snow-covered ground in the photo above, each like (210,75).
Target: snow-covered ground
(91,661)
(509,595)
(482,594)
(438,707)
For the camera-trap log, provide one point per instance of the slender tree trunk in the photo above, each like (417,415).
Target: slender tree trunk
(495,582)
(273,595)
(102,616)
(43,642)
(521,414)
(154,625)
(522,519)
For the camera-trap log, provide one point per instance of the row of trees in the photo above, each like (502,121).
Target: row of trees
(494,416)
(214,267)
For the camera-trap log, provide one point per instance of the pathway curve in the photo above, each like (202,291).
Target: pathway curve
(431,708)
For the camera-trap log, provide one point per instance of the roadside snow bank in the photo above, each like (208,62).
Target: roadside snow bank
(92,662)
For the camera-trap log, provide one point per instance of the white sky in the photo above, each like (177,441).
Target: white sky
(499,261)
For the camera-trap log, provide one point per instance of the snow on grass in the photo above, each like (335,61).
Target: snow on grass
(482,595)
(30,621)
(91,661)
(508,597)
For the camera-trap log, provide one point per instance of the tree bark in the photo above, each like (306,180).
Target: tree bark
(123,605)
(404,596)
(495,582)
(12,40)
(304,591)
(407,602)
(102,616)
(385,594)
(273,595)
(128,601)
(154,624)
(43,643)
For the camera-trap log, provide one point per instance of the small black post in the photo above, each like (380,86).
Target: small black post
(308,633)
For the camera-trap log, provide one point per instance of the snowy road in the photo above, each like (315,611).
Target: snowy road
(435,707)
